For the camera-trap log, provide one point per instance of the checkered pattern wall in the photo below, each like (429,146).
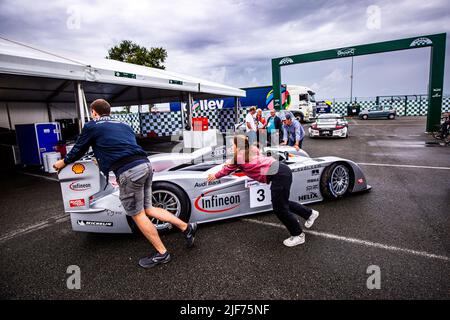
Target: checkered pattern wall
(161,123)
(131,119)
(169,123)
(414,107)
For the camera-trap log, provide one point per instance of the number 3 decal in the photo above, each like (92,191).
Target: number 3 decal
(261,195)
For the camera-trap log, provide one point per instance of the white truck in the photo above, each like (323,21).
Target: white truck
(302,103)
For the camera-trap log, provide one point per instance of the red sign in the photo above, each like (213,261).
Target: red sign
(77,203)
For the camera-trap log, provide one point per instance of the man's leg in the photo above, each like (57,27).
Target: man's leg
(158,213)
(149,231)
(300,209)
(166,216)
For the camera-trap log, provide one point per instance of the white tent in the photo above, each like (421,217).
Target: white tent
(31,75)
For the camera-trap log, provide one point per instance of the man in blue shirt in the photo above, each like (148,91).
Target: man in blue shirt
(293,132)
(115,149)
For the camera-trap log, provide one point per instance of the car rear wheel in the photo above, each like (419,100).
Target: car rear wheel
(391,116)
(335,181)
(171,198)
(300,117)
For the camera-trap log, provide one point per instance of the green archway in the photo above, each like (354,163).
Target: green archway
(437,62)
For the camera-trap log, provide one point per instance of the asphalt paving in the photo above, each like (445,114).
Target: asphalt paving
(402,226)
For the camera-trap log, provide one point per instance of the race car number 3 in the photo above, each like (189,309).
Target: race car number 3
(259,194)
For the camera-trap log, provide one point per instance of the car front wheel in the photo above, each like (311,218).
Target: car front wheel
(365,117)
(391,116)
(335,181)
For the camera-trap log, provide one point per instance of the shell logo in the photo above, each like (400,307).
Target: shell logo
(78,168)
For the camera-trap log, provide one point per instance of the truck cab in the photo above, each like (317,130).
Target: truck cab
(303,103)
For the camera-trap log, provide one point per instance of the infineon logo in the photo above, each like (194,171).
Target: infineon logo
(77,203)
(77,186)
(217,203)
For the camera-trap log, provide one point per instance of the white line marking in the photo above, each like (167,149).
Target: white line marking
(39,176)
(358,241)
(38,226)
(402,166)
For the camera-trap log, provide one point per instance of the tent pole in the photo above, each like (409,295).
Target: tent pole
(9,116)
(79,104)
(237,103)
(49,112)
(190,102)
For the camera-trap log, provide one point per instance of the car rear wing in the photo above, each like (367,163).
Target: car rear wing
(80,181)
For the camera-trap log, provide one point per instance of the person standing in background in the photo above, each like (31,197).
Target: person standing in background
(273,127)
(250,126)
(261,133)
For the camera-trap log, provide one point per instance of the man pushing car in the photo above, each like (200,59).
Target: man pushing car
(115,148)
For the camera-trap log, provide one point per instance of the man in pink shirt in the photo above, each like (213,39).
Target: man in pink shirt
(267,170)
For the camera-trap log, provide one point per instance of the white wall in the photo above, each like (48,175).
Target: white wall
(63,111)
(34,112)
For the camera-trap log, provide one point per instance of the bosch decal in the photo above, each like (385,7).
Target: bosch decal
(77,203)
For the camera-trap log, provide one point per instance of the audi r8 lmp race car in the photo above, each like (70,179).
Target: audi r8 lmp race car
(329,125)
(180,186)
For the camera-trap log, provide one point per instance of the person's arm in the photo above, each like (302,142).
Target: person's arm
(81,145)
(226,170)
(285,135)
(79,149)
(297,133)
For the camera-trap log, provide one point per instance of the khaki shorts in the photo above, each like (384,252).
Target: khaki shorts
(135,186)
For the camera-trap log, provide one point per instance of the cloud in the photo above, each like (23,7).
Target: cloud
(234,41)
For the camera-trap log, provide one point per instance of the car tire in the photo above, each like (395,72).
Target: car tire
(329,182)
(180,200)
(391,116)
(365,117)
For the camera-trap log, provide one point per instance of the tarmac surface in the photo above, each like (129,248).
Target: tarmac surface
(402,226)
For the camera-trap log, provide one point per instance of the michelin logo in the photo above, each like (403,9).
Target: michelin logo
(84,223)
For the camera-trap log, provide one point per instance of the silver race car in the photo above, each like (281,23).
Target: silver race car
(180,186)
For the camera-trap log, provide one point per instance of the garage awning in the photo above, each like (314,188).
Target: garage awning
(28,74)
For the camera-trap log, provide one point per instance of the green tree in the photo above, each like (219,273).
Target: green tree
(128,51)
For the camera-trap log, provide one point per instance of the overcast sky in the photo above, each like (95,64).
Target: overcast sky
(233,41)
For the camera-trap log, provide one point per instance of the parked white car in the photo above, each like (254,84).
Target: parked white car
(329,125)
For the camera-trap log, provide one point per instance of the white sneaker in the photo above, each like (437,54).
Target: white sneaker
(311,219)
(294,241)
